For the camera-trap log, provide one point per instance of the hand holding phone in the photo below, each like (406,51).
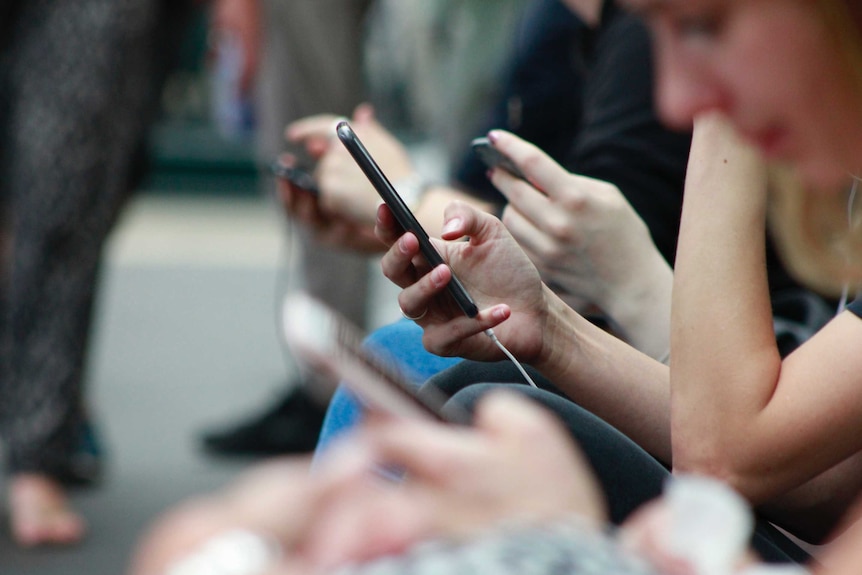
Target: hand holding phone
(402,213)
(298,177)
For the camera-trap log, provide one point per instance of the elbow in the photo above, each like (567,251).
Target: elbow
(812,521)
(713,460)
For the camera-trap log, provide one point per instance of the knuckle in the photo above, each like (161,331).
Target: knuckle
(531,162)
(575,203)
(550,253)
(561,230)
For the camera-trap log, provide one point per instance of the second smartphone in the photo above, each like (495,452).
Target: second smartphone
(297,176)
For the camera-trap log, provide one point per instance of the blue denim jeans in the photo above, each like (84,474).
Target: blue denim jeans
(400,341)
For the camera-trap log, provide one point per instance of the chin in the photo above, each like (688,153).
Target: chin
(826,176)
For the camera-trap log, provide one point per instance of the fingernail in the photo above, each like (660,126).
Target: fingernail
(500,312)
(493,136)
(402,245)
(452,225)
(437,276)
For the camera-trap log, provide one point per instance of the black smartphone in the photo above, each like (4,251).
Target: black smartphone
(494,158)
(299,177)
(323,341)
(402,213)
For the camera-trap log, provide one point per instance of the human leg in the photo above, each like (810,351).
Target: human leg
(468,372)
(77,87)
(312,63)
(629,475)
(400,343)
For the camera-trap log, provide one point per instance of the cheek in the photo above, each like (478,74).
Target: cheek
(823,99)
(759,61)
(846,138)
(796,83)
(831,130)
(823,172)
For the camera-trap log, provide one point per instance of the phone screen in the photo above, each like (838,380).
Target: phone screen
(402,213)
(329,345)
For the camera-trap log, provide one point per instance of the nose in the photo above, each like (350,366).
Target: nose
(685,88)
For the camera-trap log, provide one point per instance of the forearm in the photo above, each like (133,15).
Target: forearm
(607,376)
(844,556)
(813,510)
(724,361)
(641,308)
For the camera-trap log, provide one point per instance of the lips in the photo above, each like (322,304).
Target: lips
(772,142)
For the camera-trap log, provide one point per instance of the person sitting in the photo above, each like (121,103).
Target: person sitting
(278,518)
(731,405)
(610,135)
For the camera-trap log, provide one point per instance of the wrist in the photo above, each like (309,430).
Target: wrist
(412,189)
(640,308)
(559,336)
(648,283)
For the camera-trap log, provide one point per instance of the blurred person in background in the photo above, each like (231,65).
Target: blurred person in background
(428,69)
(298,58)
(79,83)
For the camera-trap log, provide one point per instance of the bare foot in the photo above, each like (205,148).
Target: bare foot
(40,512)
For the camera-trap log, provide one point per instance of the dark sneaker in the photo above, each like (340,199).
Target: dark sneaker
(85,466)
(290,426)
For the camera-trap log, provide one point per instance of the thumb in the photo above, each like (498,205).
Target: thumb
(463,220)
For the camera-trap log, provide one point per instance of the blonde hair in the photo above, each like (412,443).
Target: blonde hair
(819,232)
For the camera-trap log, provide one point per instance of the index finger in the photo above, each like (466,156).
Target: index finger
(541,170)
(523,198)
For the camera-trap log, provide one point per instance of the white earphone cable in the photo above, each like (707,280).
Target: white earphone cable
(851,200)
(490,333)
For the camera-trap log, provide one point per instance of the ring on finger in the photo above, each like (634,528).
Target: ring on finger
(414,318)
